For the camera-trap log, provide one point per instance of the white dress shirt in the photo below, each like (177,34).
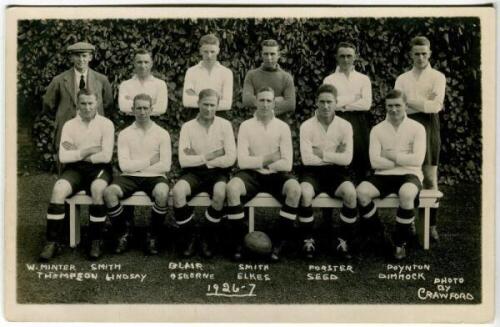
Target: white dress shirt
(198,77)
(195,136)
(136,147)
(77,79)
(256,140)
(100,131)
(313,134)
(408,141)
(354,93)
(422,87)
(152,86)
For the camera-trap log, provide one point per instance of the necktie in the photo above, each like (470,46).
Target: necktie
(82,83)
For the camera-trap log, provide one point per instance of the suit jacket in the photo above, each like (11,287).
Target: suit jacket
(61,94)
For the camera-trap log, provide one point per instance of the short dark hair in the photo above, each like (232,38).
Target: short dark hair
(395,94)
(208,93)
(266,89)
(420,40)
(269,43)
(209,39)
(327,88)
(142,51)
(86,92)
(345,45)
(143,96)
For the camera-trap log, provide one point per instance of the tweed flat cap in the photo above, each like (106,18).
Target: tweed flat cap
(81,47)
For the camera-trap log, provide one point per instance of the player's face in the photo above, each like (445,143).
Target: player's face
(270,56)
(141,110)
(420,55)
(143,64)
(396,109)
(265,104)
(208,106)
(209,52)
(326,104)
(87,107)
(345,58)
(81,60)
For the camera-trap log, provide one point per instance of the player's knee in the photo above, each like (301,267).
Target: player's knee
(363,195)
(233,190)
(111,195)
(349,196)
(407,194)
(293,191)
(160,193)
(179,195)
(307,194)
(61,190)
(219,194)
(97,190)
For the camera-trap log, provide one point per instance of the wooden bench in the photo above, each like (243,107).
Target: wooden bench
(428,199)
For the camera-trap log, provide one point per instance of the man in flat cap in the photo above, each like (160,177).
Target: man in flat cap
(63,89)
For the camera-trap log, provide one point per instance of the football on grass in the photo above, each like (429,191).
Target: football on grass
(258,242)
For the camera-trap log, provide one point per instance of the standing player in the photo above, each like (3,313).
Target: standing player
(86,149)
(397,151)
(144,156)
(425,88)
(326,144)
(354,99)
(143,81)
(269,74)
(208,74)
(265,159)
(207,150)
(63,89)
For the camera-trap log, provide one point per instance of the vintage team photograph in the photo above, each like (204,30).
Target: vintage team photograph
(250,164)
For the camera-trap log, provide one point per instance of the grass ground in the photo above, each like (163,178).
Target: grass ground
(457,255)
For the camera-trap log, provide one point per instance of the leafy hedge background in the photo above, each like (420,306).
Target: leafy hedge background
(307,52)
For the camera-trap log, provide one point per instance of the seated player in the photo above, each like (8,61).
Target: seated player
(265,159)
(326,147)
(207,150)
(86,149)
(397,151)
(144,156)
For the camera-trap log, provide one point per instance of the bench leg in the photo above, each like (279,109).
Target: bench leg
(422,225)
(427,219)
(74,225)
(251,219)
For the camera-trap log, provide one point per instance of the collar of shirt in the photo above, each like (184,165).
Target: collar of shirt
(214,123)
(77,74)
(200,65)
(150,77)
(321,125)
(337,70)
(137,128)
(405,120)
(81,122)
(260,121)
(270,69)
(427,69)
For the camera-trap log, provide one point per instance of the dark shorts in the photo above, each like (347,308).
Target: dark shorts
(324,178)
(256,182)
(387,184)
(361,140)
(131,184)
(80,175)
(202,179)
(433,135)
